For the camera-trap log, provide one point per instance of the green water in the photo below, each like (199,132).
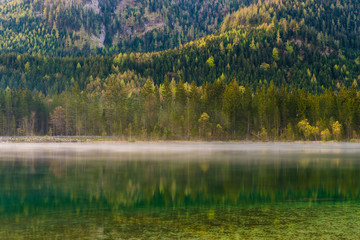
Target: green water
(180,191)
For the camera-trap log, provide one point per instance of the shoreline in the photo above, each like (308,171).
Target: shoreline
(111,139)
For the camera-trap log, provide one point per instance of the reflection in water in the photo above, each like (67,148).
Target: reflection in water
(224,193)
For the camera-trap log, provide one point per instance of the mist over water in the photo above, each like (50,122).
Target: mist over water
(157,150)
(179,190)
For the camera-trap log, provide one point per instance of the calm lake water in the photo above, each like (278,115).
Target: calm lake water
(180,190)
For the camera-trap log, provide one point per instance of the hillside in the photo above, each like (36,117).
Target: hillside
(84,27)
(280,42)
(278,70)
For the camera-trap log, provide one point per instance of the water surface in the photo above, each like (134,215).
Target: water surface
(180,190)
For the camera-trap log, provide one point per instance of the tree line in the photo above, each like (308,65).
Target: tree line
(183,111)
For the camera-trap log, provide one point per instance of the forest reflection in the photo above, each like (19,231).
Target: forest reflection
(130,181)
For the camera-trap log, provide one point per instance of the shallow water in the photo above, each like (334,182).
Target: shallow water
(180,190)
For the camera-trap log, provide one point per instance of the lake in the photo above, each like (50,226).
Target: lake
(180,190)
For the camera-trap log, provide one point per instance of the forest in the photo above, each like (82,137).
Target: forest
(313,45)
(182,111)
(273,70)
(88,27)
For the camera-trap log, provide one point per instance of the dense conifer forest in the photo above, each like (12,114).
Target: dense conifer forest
(182,111)
(84,27)
(265,70)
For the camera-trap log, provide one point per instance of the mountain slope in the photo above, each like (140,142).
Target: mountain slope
(332,23)
(82,27)
(272,41)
